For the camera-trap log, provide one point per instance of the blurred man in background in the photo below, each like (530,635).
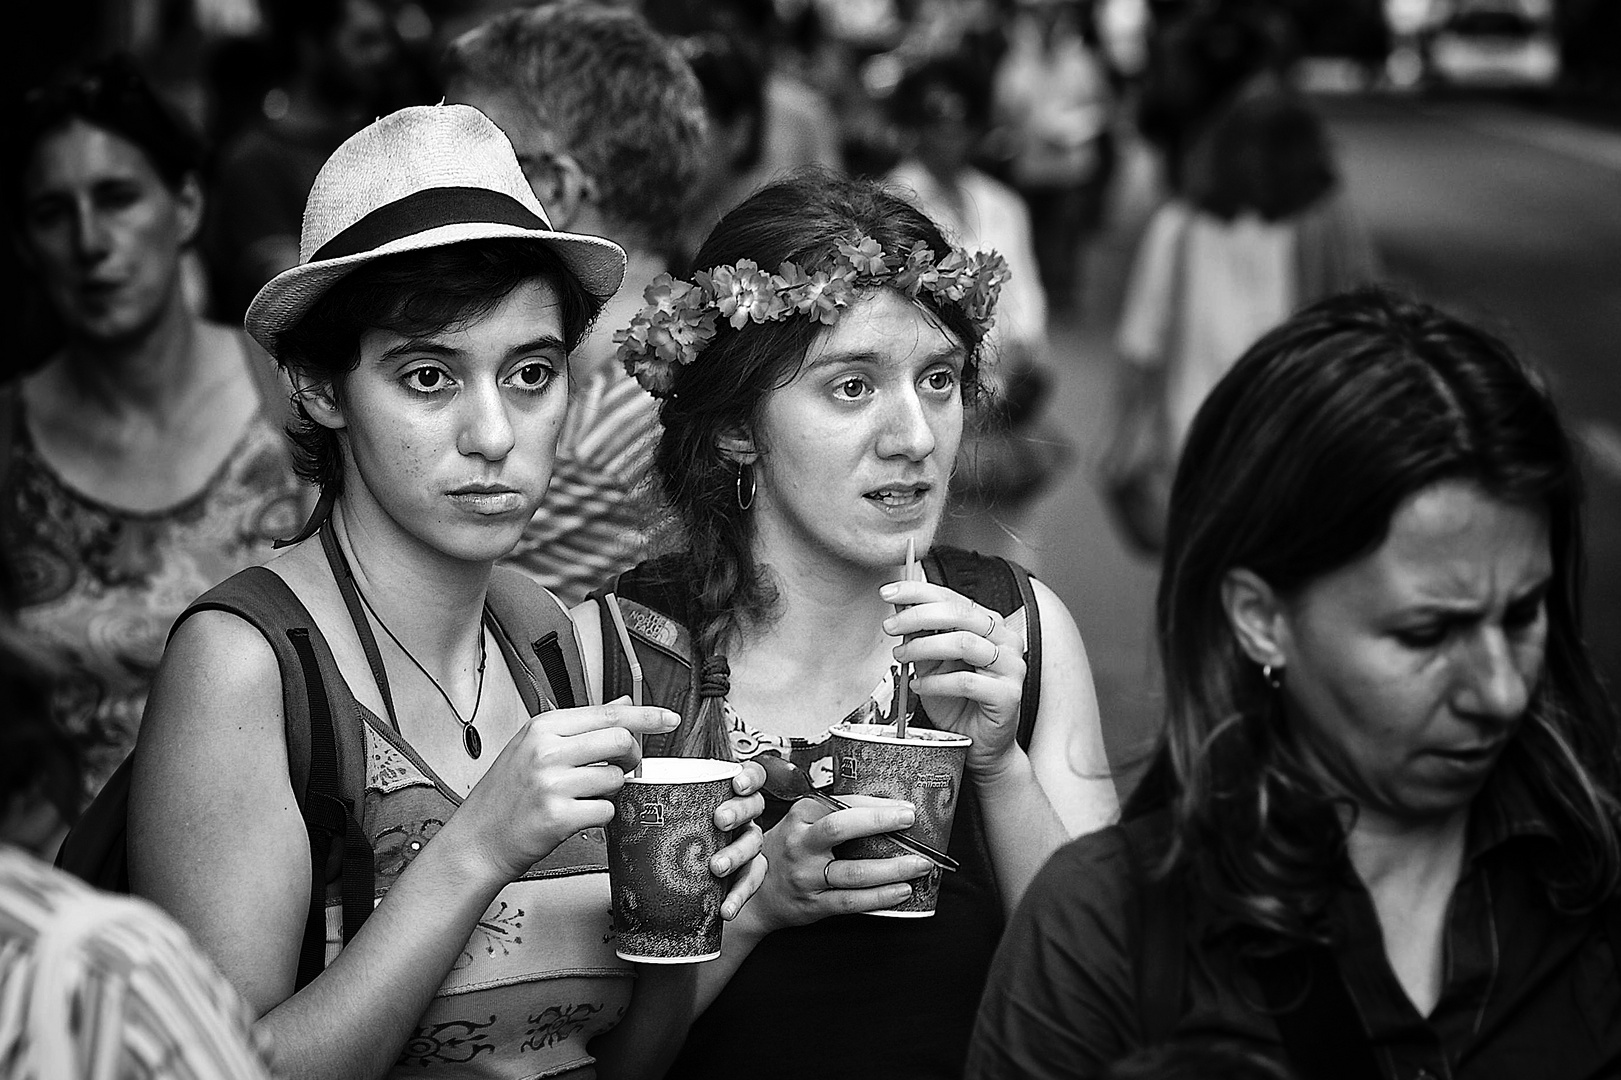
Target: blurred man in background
(608,123)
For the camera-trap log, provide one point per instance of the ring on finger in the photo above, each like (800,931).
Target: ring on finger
(991,629)
(825,868)
(996,653)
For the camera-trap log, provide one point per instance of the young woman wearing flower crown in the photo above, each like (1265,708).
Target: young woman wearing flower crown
(815,376)
(427,331)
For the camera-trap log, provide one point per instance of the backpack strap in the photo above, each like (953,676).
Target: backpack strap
(1004,587)
(671,678)
(1162,934)
(536,620)
(325,749)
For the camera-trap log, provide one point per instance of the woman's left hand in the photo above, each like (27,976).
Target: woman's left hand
(741,859)
(968,666)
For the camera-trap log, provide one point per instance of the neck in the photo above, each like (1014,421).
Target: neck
(822,601)
(1386,851)
(433,603)
(152,372)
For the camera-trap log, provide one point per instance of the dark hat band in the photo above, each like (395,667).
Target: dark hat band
(430,208)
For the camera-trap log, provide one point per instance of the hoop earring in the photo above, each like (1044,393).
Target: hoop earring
(743,503)
(1273,676)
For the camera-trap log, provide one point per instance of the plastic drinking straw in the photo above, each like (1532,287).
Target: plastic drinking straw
(630,656)
(903,696)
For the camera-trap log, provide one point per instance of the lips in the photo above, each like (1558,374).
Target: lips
(898,495)
(487,499)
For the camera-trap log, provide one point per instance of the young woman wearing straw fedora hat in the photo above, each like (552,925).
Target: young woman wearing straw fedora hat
(427,330)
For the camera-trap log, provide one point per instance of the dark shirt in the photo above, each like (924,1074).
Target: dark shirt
(1527,991)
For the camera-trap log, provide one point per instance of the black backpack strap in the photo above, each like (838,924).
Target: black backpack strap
(328,817)
(1004,587)
(325,749)
(664,649)
(1321,1027)
(530,615)
(1162,934)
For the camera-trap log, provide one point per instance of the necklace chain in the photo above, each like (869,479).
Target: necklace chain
(470,737)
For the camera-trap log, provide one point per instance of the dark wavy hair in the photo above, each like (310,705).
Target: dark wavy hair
(114,95)
(1294,467)
(800,218)
(413,293)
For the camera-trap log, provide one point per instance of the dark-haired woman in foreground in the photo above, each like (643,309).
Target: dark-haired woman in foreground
(1380,838)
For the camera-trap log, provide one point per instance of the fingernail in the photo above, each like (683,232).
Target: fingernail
(906,818)
(728,911)
(723,819)
(889,625)
(723,867)
(888,592)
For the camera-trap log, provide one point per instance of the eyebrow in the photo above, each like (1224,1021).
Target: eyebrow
(868,356)
(1455,608)
(436,348)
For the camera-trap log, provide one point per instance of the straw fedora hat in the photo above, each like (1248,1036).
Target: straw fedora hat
(422,177)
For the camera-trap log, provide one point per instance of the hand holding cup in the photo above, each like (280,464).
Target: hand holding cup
(555,777)
(968,665)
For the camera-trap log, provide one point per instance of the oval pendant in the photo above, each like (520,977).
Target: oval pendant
(470,739)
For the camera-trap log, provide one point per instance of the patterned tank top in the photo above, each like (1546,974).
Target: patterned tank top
(99,586)
(538,978)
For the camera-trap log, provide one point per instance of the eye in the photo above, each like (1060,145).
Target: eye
(940,380)
(851,388)
(426,380)
(117,196)
(1422,636)
(532,376)
(1525,614)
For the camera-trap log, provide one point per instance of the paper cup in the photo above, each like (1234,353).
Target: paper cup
(925,769)
(666,903)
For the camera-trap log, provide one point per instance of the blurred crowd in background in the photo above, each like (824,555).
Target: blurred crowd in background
(1040,92)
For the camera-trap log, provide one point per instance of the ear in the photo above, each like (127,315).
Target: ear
(319,402)
(738,446)
(190,202)
(573,190)
(1256,615)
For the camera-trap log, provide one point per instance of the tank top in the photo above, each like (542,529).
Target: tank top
(855,996)
(99,586)
(538,978)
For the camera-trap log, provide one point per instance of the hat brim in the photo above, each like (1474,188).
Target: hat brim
(599,264)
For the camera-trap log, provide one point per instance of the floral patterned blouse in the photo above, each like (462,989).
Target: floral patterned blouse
(98,587)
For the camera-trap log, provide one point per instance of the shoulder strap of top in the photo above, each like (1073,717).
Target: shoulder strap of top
(536,620)
(1004,587)
(325,748)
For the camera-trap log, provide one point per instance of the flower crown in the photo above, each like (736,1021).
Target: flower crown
(681,316)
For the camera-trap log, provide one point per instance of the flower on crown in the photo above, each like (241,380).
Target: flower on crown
(681,317)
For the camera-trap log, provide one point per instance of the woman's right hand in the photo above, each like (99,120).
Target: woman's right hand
(804,882)
(556,777)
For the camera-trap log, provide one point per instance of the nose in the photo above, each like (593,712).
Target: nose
(486,429)
(1495,684)
(906,429)
(91,237)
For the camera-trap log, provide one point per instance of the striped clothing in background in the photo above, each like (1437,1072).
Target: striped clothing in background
(593,521)
(101,987)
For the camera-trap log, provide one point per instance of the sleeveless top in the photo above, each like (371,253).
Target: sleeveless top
(98,587)
(855,996)
(538,977)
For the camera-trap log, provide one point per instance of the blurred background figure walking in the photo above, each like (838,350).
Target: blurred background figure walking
(1053,106)
(942,109)
(1258,228)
